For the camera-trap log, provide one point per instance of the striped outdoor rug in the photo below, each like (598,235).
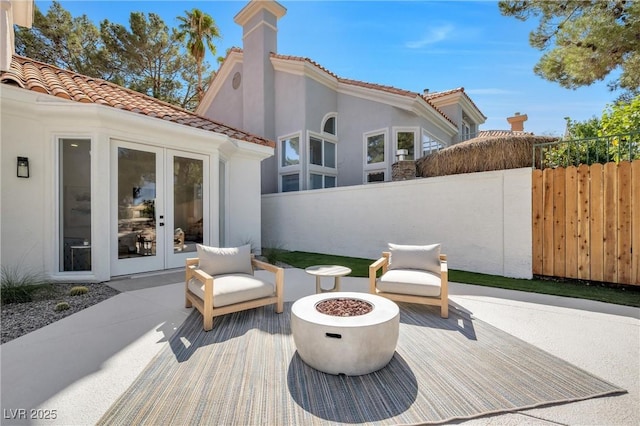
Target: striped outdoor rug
(246,371)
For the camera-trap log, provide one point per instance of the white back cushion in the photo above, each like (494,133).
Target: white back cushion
(426,258)
(225,260)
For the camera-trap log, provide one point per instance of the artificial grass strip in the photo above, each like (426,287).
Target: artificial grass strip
(627,296)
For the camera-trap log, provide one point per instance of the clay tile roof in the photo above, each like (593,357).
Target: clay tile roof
(435,95)
(388,89)
(43,78)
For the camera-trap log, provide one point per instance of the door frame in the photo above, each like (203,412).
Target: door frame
(165,257)
(177,259)
(144,263)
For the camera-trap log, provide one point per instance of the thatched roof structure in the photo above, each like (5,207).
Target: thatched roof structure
(482,154)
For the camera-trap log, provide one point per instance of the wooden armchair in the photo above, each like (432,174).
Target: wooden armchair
(221,280)
(413,274)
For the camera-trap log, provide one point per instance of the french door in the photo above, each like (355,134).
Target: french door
(160,201)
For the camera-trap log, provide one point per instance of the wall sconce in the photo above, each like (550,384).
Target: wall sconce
(23,167)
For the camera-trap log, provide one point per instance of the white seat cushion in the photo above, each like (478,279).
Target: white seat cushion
(225,260)
(410,281)
(415,257)
(234,288)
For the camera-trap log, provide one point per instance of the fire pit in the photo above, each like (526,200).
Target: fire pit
(345,333)
(344,307)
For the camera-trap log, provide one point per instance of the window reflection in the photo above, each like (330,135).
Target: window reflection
(136,203)
(290,151)
(188,205)
(75,205)
(375,149)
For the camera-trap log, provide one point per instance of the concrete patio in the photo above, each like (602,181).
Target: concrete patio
(78,366)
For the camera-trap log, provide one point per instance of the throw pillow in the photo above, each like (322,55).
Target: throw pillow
(415,257)
(225,260)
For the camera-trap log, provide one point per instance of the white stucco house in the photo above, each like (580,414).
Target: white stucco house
(99,181)
(330,131)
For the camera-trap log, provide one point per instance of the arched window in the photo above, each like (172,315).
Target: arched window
(329,124)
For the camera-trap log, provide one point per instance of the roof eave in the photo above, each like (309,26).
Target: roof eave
(425,109)
(348,87)
(304,68)
(460,97)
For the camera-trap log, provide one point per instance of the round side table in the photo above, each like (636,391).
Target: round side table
(334,271)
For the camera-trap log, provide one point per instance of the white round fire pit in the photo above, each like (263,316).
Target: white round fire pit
(351,345)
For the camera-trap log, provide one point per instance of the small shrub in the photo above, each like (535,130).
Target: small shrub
(273,255)
(78,290)
(18,294)
(62,306)
(19,285)
(273,252)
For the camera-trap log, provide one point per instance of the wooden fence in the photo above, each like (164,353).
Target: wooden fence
(586,222)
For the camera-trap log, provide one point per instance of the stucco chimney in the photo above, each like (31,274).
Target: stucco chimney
(259,22)
(517,122)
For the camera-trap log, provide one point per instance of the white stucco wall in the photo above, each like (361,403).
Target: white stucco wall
(22,226)
(243,202)
(31,123)
(482,220)
(228,106)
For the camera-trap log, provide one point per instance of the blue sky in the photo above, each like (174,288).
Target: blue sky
(411,45)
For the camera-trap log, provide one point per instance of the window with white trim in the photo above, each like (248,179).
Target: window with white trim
(329,124)
(375,145)
(289,162)
(322,163)
(373,177)
(405,138)
(466,131)
(290,182)
(75,204)
(319,181)
(430,143)
(322,152)
(375,155)
(290,151)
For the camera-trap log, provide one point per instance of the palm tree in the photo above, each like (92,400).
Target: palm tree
(199,28)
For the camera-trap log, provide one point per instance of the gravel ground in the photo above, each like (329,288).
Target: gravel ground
(18,319)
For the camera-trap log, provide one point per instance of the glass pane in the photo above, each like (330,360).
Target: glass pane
(136,203)
(315,181)
(329,154)
(290,183)
(429,144)
(290,151)
(188,208)
(375,177)
(375,149)
(329,181)
(315,151)
(75,205)
(406,141)
(330,126)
